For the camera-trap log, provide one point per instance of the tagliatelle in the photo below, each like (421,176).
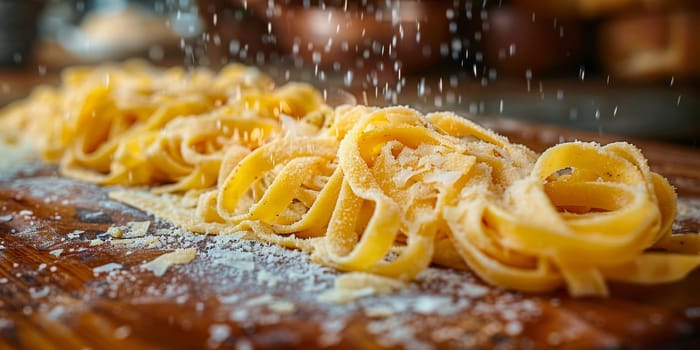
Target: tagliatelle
(136,125)
(385,191)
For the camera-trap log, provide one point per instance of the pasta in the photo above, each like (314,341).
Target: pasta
(385,191)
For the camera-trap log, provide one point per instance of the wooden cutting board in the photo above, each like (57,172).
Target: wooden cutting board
(60,289)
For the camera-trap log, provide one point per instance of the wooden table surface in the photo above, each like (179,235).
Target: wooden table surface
(239,294)
(243,295)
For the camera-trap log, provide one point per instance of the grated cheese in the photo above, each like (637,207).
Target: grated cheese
(162,263)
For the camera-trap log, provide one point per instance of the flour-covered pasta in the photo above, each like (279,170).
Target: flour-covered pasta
(387,191)
(133,124)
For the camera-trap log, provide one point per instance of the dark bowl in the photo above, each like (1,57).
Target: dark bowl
(18,29)
(407,37)
(517,42)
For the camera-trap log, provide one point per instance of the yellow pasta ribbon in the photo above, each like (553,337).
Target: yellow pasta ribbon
(386,191)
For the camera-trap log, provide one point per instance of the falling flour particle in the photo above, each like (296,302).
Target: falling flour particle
(107,268)
(513,328)
(244,344)
(239,315)
(122,332)
(693,312)
(5,323)
(218,333)
(161,264)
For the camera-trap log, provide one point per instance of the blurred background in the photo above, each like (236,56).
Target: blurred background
(613,67)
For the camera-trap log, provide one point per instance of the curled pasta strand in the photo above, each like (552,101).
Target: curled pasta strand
(386,191)
(262,160)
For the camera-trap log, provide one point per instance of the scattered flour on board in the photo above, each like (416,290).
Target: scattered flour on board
(260,284)
(264,284)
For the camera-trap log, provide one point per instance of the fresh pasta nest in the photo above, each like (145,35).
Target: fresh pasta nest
(387,191)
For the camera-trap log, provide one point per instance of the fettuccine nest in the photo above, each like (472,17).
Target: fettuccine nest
(386,191)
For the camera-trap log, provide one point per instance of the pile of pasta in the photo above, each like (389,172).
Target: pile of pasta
(386,191)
